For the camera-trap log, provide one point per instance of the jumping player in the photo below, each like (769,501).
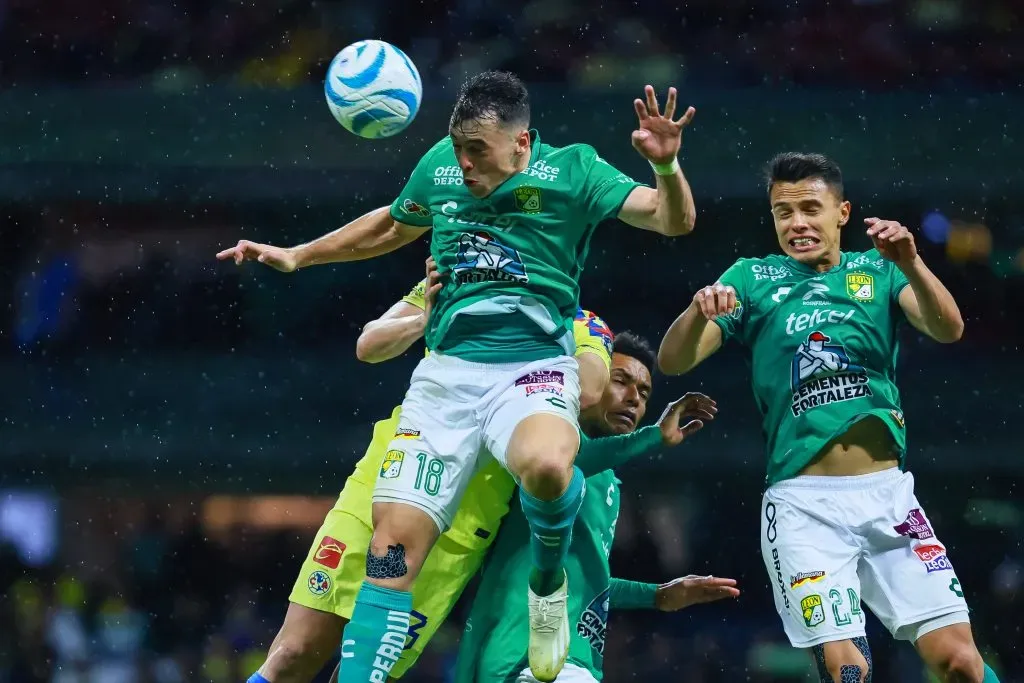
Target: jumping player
(494,645)
(325,590)
(839,521)
(510,240)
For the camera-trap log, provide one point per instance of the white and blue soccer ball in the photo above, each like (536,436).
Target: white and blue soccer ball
(373,89)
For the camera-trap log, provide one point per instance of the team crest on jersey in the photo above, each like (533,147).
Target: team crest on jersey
(593,623)
(860,286)
(482,258)
(527,199)
(822,373)
(391,465)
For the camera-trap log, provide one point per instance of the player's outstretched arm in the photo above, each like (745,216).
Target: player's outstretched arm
(373,234)
(680,419)
(672,596)
(669,209)
(402,325)
(927,303)
(692,337)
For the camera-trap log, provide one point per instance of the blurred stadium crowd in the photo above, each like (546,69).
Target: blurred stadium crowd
(869,44)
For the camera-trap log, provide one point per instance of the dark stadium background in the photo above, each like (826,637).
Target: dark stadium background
(172,428)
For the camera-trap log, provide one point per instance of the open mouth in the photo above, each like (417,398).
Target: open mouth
(804,243)
(470,181)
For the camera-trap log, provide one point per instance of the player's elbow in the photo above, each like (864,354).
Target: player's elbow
(676,226)
(952,332)
(367,349)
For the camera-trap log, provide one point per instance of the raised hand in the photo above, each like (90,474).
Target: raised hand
(715,300)
(658,137)
(692,411)
(892,240)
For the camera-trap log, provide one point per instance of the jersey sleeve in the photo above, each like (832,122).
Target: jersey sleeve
(623,594)
(605,187)
(897,282)
(592,335)
(417,296)
(412,205)
(734,325)
(609,452)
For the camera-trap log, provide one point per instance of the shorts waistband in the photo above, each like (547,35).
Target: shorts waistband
(851,483)
(455,362)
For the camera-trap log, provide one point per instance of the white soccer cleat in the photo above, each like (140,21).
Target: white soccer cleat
(549,633)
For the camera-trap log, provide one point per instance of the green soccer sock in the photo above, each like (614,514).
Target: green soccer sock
(990,675)
(551,532)
(375,637)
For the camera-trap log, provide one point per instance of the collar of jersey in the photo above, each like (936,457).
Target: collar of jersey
(534,145)
(796,265)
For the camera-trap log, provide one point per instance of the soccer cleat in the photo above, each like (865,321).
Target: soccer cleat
(549,633)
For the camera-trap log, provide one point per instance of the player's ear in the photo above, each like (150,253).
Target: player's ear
(523,140)
(844,213)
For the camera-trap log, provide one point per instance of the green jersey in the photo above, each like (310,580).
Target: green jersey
(823,349)
(511,261)
(494,645)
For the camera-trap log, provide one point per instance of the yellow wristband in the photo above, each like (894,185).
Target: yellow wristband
(665,169)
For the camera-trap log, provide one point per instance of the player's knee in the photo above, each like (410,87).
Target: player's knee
(962,663)
(841,663)
(542,458)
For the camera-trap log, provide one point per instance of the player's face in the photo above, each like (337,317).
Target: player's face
(489,153)
(808,216)
(624,402)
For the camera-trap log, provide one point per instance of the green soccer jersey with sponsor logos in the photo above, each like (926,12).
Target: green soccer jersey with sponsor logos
(511,261)
(823,349)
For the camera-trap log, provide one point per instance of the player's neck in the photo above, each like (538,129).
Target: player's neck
(524,159)
(827,262)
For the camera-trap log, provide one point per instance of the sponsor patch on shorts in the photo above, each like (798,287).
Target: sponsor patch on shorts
(804,578)
(542,377)
(543,389)
(934,557)
(915,526)
(329,552)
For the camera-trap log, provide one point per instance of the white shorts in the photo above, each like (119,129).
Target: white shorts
(570,673)
(455,414)
(830,542)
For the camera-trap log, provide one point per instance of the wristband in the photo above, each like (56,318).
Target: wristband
(665,169)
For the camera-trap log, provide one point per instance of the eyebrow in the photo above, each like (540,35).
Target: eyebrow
(809,200)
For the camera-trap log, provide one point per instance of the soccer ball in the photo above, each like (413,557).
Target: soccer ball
(373,89)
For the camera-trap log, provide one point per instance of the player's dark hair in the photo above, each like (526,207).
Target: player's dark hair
(792,167)
(493,94)
(635,346)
